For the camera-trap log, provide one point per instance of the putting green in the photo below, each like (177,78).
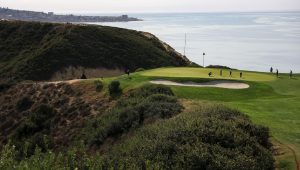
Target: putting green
(203,73)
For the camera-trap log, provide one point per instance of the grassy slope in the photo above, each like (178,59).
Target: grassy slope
(269,101)
(281,115)
(34,51)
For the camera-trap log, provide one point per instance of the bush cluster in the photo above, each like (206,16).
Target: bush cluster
(212,137)
(114,88)
(150,89)
(205,137)
(34,130)
(99,85)
(148,102)
(24,103)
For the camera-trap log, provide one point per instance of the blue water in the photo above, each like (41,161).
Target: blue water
(252,41)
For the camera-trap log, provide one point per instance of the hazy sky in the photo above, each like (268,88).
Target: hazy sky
(152,5)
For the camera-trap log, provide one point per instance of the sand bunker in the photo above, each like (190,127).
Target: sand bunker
(217,83)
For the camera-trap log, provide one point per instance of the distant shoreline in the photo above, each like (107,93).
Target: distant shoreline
(23,15)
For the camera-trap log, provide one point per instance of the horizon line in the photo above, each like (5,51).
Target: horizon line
(155,12)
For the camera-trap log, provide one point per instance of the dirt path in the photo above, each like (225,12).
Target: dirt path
(218,83)
(295,157)
(57,82)
(292,151)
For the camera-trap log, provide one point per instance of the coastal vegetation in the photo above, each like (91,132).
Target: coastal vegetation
(37,51)
(120,132)
(149,127)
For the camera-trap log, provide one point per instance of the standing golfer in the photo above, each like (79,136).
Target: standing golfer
(127,72)
(230,73)
(221,72)
(271,70)
(277,73)
(241,74)
(291,74)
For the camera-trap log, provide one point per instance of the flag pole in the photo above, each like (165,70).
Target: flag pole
(184,44)
(203,59)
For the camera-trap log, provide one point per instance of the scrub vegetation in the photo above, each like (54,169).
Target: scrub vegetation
(37,51)
(148,128)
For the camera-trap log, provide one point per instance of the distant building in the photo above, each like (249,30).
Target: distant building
(52,17)
(124,16)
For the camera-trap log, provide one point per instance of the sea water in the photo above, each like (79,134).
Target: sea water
(249,41)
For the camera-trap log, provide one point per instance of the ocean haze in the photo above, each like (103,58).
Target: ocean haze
(250,41)
(153,5)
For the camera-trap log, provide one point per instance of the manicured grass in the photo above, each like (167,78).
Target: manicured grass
(203,73)
(270,101)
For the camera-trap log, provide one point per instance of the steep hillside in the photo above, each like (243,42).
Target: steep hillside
(37,51)
(78,126)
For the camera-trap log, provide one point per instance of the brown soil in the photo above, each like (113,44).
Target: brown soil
(74,103)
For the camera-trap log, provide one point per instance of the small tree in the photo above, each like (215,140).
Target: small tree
(99,85)
(114,88)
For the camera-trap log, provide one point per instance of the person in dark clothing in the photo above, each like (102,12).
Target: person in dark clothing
(230,73)
(127,72)
(277,73)
(241,74)
(271,70)
(221,72)
(83,76)
(210,74)
(291,74)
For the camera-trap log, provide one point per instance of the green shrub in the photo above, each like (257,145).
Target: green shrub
(24,103)
(99,85)
(161,98)
(39,120)
(201,139)
(33,130)
(42,115)
(151,89)
(130,113)
(67,89)
(114,88)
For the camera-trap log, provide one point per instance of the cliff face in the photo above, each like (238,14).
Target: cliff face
(166,47)
(37,51)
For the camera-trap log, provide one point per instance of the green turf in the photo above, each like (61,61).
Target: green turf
(203,73)
(270,101)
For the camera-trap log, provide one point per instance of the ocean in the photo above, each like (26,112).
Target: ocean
(248,41)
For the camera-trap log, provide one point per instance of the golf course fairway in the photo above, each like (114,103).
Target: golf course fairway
(269,101)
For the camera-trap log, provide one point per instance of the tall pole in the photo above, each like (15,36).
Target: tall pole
(203,59)
(184,44)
